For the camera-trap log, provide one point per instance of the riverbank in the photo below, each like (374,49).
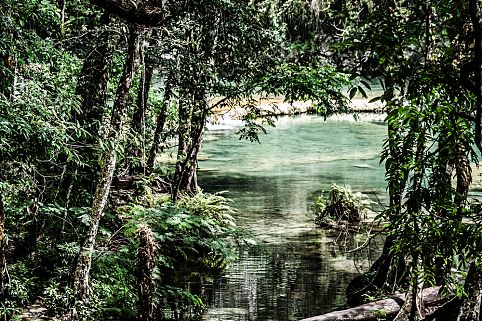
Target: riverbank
(226,116)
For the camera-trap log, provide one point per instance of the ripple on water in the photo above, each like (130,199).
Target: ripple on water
(295,270)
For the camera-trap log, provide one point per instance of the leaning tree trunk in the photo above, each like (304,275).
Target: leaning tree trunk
(189,146)
(92,83)
(3,250)
(184,129)
(92,89)
(81,282)
(160,122)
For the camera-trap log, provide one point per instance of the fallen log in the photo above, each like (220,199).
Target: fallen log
(385,307)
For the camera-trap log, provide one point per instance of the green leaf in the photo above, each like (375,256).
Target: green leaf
(362,92)
(353,92)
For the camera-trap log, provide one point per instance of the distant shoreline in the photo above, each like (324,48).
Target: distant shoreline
(278,107)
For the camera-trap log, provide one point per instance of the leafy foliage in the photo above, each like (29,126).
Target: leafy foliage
(340,205)
(425,56)
(195,237)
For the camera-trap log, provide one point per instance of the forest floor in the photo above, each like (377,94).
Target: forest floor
(35,312)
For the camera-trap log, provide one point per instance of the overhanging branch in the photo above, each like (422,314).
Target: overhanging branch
(143,14)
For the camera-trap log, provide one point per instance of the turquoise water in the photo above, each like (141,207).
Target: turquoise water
(295,270)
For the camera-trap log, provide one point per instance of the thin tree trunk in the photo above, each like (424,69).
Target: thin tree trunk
(81,282)
(145,259)
(3,250)
(464,178)
(474,10)
(470,307)
(92,89)
(161,120)
(186,168)
(61,4)
(184,131)
(139,117)
(413,309)
(387,270)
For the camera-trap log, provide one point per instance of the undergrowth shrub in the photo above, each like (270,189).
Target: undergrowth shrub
(195,238)
(340,204)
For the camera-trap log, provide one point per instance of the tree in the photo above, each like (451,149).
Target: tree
(83,266)
(426,56)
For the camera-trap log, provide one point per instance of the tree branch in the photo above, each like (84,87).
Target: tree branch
(146,15)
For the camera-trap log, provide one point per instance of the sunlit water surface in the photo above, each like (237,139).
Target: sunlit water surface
(295,270)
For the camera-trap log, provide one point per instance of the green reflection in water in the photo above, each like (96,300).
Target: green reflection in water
(296,270)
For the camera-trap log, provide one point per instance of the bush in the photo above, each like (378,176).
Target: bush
(340,205)
(194,238)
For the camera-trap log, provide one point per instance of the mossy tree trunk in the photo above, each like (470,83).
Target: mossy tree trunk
(137,150)
(191,133)
(92,89)
(93,79)
(160,122)
(146,286)
(3,250)
(81,281)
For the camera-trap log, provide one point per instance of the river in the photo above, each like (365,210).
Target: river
(295,270)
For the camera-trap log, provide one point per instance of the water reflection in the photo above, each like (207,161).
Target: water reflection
(296,270)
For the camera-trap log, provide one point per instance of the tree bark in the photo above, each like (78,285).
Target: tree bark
(184,131)
(387,270)
(145,259)
(92,83)
(132,12)
(470,307)
(3,250)
(8,74)
(387,307)
(92,89)
(474,10)
(138,119)
(161,120)
(81,282)
(189,145)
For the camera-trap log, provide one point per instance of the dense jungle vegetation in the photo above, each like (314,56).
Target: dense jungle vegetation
(97,222)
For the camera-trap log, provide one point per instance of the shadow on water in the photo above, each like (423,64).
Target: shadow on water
(286,281)
(296,270)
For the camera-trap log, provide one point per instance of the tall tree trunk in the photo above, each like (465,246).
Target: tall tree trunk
(92,89)
(81,282)
(464,178)
(387,270)
(93,79)
(470,307)
(467,309)
(138,119)
(184,130)
(474,10)
(161,120)
(3,250)
(145,259)
(189,145)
